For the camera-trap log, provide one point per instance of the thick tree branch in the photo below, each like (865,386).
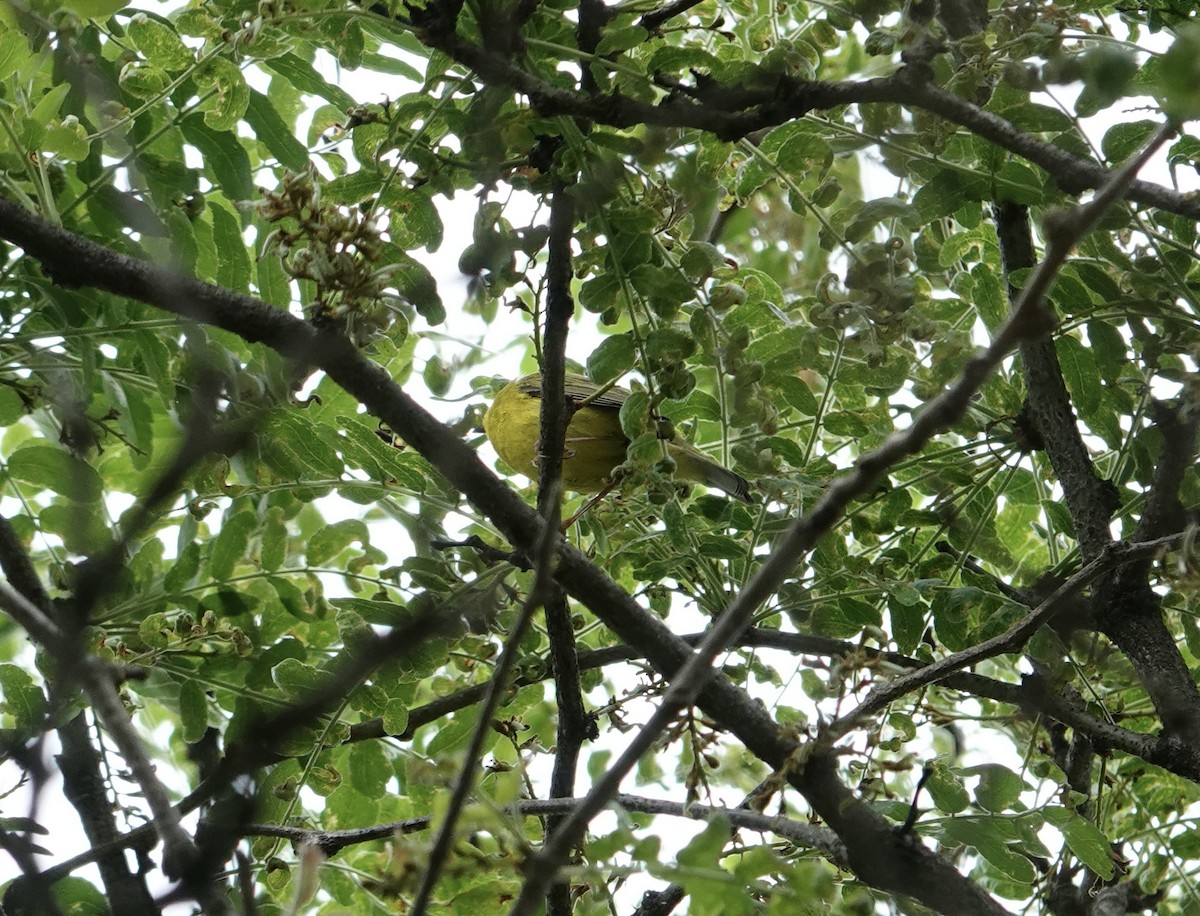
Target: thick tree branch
(79,763)
(574,724)
(732,112)
(1163,512)
(1033,696)
(1089,499)
(1125,608)
(84,787)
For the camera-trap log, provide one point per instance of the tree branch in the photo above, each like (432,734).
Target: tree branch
(1011,640)
(806,836)
(731,112)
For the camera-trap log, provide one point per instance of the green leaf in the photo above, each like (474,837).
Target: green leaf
(600,293)
(274,285)
(990,297)
(797,394)
(1109,348)
(1080,372)
(946,789)
(1084,839)
(154,631)
(302,76)
(54,469)
(21,698)
(908,624)
(48,105)
(780,348)
(873,212)
(302,435)
(450,734)
(14,51)
(370,769)
(223,154)
(331,540)
(377,613)
(415,222)
(994,841)
(12,407)
(1060,516)
(273,132)
(613,358)
(230,545)
(1180,69)
(233,266)
(705,848)
(184,571)
(143,81)
(68,138)
(415,284)
(78,896)
(193,711)
(945,193)
(274,539)
(295,677)
(700,260)
(616,40)
(1123,140)
(1017,183)
(158,43)
(353,188)
(226,602)
(224,92)
(395,66)
(395,717)
(95,9)
(999,787)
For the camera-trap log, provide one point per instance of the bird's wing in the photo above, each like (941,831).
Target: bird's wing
(578,389)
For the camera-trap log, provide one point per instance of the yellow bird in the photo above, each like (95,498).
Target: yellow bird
(595,443)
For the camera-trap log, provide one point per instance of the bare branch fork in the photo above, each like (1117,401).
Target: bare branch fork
(1011,640)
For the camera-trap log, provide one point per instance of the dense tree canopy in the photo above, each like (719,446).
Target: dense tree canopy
(277,637)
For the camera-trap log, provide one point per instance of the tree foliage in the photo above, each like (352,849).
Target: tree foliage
(285,633)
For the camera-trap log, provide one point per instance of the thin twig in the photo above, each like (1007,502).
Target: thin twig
(804,835)
(543,580)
